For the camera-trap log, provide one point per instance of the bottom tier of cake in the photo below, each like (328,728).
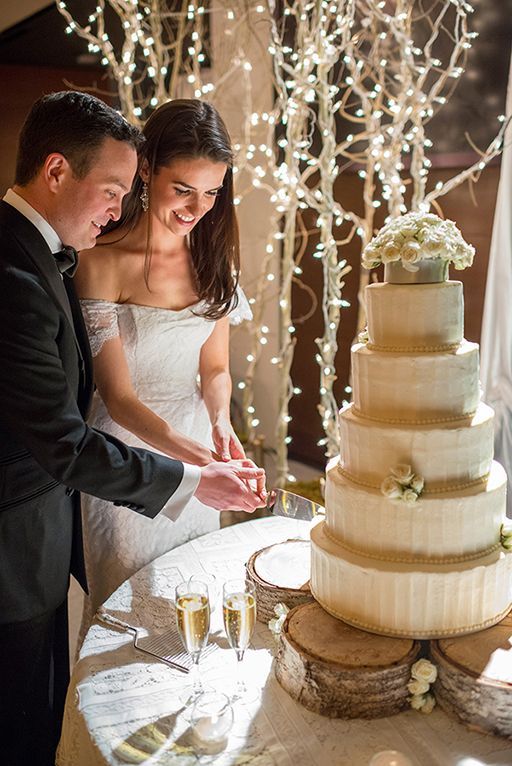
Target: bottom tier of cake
(410,599)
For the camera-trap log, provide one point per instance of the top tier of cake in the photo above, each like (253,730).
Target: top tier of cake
(416,367)
(415,318)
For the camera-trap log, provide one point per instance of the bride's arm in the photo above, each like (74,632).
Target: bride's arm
(112,377)
(97,279)
(216,390)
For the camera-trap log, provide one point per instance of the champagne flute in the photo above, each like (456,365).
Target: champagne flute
(193,621)
(239,612)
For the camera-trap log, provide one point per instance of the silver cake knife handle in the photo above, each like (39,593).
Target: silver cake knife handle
(109,619)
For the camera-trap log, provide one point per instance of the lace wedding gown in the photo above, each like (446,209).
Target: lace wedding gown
(162,349)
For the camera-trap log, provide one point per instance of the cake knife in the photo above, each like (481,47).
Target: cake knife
(281,502)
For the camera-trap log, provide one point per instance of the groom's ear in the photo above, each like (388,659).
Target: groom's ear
(55,170)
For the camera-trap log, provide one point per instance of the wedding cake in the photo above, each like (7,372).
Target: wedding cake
(412,543)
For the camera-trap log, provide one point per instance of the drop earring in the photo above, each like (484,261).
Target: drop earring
(144,197)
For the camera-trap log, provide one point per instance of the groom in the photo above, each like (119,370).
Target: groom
(76,160)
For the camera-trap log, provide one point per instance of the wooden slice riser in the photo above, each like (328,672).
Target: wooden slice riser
(335,692)
(267,598)
(478,703)
(268,594)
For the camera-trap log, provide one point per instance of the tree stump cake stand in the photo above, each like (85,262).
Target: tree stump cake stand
(475,677)
(342,672)
(280,574)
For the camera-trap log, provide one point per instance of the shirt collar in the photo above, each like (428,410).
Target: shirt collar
(48,232)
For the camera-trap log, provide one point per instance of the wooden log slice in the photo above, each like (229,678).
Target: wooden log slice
(280,574)
(340,671)
(475,677)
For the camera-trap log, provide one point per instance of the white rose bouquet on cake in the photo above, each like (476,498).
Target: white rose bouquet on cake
(415,237)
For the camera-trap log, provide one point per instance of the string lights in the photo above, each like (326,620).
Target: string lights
(356,83)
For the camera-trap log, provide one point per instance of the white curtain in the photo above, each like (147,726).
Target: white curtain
(496,344)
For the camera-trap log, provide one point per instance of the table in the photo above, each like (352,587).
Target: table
(122,706)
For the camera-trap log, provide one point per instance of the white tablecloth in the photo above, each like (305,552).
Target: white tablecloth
(122,706)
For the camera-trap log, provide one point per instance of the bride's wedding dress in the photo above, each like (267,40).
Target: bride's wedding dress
(162,349)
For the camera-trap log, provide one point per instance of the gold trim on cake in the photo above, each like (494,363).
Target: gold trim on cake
(413,349)
(405,422)
(430,490)
(417,557)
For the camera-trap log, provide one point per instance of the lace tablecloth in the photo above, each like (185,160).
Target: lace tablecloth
(122,706)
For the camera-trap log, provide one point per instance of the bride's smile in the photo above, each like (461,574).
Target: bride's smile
(184,191)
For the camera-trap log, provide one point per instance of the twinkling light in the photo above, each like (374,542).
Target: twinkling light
(335,64)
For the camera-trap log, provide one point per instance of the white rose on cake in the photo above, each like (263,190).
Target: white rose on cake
(417,484)
(433,246)
(391,488)
(409,496)
(411,253)
(391,252)
(403,473)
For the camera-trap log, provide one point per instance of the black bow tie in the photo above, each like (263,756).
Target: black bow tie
(67,260)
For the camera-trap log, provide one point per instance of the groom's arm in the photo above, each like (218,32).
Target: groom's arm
(39,408)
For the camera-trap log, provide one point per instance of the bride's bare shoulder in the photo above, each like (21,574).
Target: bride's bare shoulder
(103,269)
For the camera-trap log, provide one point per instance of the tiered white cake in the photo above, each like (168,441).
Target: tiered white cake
(411,544)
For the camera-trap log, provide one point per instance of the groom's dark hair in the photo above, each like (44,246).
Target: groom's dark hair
(73,124)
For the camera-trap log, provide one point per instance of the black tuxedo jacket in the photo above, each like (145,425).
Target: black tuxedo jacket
(48,455)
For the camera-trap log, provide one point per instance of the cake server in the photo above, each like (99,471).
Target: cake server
(165,646)
(281,502)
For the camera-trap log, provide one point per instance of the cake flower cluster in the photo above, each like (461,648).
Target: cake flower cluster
(506,536)
(275,625)
(423,674)
(403,484)
(415,237)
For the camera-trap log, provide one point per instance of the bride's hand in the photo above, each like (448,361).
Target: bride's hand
(226,442)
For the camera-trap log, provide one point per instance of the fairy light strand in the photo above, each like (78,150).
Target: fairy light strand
(334,63)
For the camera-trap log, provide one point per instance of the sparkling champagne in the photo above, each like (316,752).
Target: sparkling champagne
(239,617)
(193,619)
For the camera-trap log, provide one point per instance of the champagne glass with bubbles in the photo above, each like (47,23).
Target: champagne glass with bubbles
(193,621)
(239,612)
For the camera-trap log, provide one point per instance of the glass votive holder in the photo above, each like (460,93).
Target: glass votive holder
(390,758)
(211,720)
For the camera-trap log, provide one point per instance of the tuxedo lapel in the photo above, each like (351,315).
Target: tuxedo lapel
(37,251)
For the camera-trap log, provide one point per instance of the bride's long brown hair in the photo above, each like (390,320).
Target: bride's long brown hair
(188,128)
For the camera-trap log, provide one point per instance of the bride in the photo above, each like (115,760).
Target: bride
(158,293)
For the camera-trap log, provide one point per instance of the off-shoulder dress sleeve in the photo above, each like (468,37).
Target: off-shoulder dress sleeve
(242,310)
(101,321)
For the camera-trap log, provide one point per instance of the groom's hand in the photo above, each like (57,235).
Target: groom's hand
(238,485)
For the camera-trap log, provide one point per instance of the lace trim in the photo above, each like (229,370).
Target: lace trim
(414,349)
(417,558)
(243,311)
(101,322)
(424,422)
(432,489)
